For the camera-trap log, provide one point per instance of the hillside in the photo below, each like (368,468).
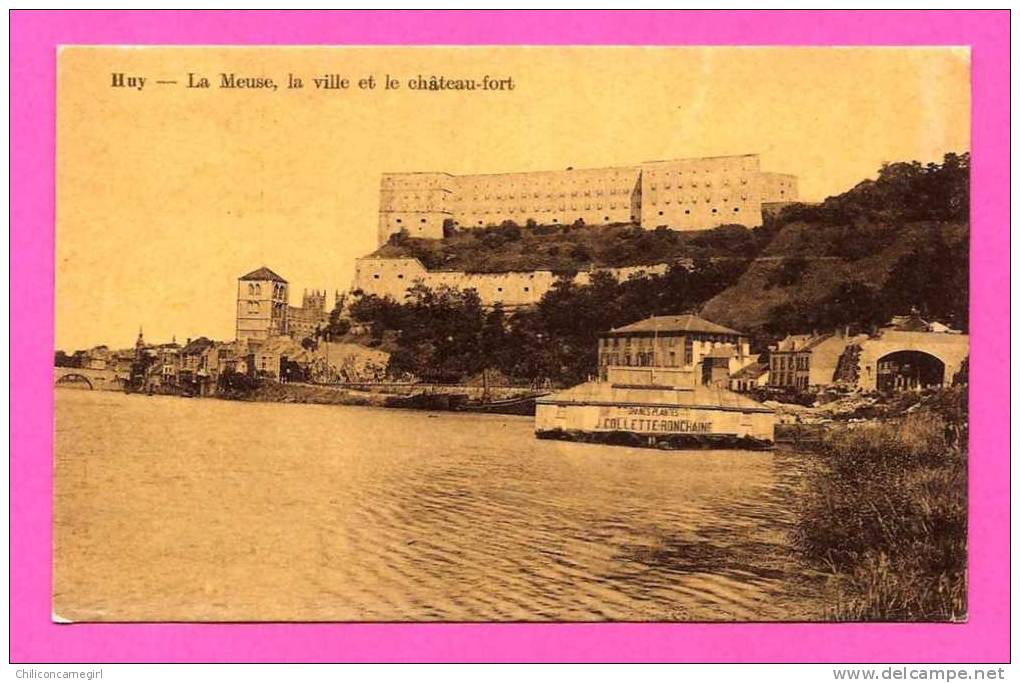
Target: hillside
(885,246)
(799,274)
(564,248)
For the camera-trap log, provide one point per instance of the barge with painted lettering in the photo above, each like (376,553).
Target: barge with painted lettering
(668,417)
(663,383)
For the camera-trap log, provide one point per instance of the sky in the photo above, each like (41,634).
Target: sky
(167,194)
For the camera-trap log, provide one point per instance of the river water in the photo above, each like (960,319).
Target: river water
(200,509)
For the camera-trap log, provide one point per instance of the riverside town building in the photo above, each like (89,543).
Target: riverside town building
(668,344)
(680,194)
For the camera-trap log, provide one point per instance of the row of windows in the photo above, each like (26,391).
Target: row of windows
(801,362)
(725,183)
(475,208)
(542,184)
(694,200)
(555,221)
(501,210)
(558,179)
(648,359)
(789,379)
(715,210)
(615,342)
(538,195)
(256,306)
(554,195)
(653,200)
(255,289)
(694,171)
(668,340)
(537,185)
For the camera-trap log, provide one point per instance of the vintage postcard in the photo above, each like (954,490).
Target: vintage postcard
(511,334)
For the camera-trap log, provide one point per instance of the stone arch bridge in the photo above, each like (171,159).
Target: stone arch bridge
(88,378)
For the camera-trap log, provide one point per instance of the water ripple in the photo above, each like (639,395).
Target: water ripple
(212,510)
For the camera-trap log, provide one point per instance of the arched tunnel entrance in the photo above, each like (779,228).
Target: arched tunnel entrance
(907,370)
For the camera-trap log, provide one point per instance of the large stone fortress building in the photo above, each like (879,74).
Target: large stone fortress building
(683,194)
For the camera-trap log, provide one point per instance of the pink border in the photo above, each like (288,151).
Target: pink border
(34,36)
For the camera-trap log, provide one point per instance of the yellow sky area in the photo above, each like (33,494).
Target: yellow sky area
(167,194)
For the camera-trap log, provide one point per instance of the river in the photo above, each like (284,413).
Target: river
(207,510)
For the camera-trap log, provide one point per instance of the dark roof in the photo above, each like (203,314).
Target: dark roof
(816,341)
(792,343)
(752,371)
(676,323)
(262,273)
(197,345)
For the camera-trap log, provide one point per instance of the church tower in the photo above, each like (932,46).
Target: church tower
(261,305)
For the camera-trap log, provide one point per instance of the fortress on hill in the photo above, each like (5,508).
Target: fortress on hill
(682,194)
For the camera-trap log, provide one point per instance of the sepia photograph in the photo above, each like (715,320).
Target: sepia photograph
(511,334)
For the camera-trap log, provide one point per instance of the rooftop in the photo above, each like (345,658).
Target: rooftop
(793,342)
(262,273)
(915,323)
(752,371)
(197,345)
(675,323)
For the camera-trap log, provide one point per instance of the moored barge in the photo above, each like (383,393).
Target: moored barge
(664,401)
(666,417)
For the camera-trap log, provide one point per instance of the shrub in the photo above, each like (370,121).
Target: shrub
(790,272)
(886,515)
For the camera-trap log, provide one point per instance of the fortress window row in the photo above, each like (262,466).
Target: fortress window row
(691,194)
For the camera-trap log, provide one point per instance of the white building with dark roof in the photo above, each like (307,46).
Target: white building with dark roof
(682,342)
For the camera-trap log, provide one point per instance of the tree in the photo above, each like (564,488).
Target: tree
(790,272)
(62,360)
(336,326)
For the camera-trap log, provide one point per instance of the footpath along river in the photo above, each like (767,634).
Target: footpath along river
(201,509)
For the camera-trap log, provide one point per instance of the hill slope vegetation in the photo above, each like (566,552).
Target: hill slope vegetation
(885,246)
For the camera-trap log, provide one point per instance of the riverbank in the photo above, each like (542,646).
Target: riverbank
(276,392)
(413,396)
(885,513)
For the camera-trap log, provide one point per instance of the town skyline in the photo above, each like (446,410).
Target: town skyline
(159,230)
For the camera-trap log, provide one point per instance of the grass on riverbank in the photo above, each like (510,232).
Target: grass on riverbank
(886,515)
